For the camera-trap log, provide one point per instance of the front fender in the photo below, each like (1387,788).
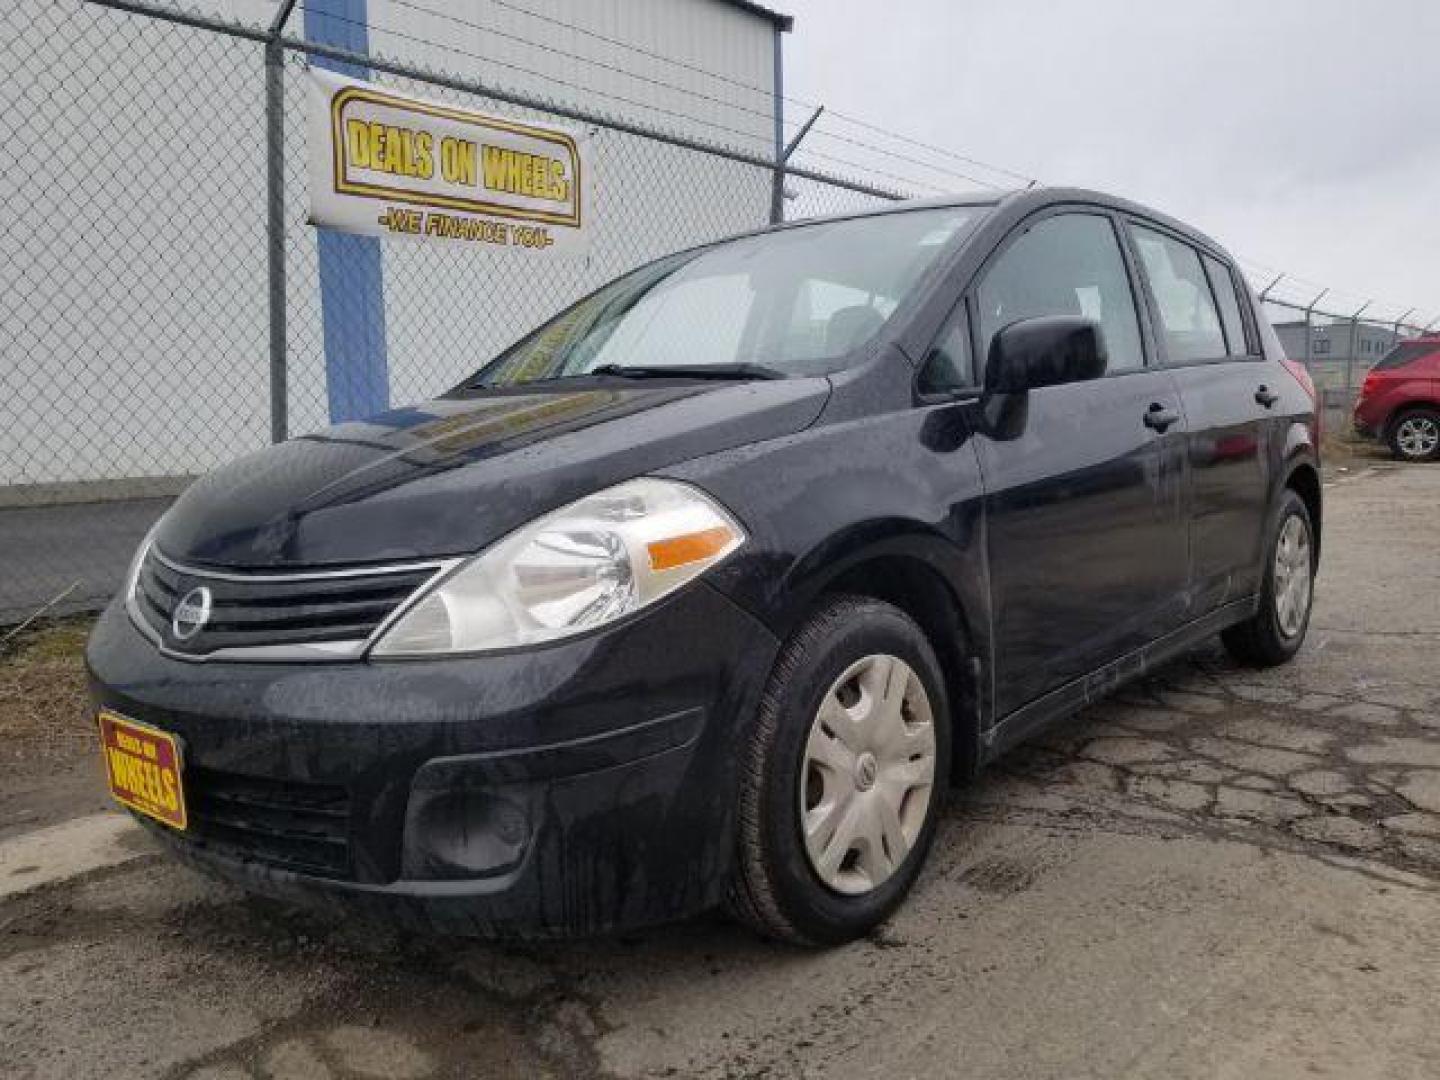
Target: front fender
(848,550)
(820,504)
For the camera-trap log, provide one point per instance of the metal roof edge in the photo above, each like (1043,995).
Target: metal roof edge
(782,22)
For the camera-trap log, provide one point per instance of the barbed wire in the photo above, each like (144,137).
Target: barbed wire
(766,114)
(910,182)
(768,92)
(549,78)
(898,157)
(911,141)
(1297,294)
(867,169)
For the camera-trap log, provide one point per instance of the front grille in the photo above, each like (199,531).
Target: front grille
(296,826)
(270,610)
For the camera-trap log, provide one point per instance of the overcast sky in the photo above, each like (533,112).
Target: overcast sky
(1301,134)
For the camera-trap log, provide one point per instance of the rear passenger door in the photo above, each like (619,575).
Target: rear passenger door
(1084,512)
(1210,346)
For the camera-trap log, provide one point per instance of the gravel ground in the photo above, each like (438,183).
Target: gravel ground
(1217,873)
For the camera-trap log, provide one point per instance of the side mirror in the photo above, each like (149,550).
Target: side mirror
(1044,351)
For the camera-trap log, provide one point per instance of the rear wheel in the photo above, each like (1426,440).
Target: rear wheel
(1275,632)
(1415,435)
(843,776)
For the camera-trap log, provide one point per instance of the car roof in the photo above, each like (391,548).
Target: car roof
(1023,201)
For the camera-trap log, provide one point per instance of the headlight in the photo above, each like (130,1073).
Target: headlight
(585,565)
(132,575)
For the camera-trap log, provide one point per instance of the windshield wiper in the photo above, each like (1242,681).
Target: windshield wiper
(727,372)
(686,371)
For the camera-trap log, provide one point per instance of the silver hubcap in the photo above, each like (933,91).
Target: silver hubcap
(1418,436)
(1292,576)
(867,773)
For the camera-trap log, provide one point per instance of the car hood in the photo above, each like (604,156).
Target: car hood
(452,476)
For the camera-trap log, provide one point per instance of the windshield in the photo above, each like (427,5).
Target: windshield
(787,303)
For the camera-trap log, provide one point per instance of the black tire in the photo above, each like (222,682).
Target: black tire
(1259,641)
(1422,415)
(774,889)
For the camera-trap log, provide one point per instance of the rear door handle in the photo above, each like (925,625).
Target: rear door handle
(1265,396)
(1160,416)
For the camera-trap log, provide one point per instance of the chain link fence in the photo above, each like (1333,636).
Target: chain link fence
(1337,346)
(146,337)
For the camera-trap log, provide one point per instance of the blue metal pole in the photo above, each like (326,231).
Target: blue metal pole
(352,289)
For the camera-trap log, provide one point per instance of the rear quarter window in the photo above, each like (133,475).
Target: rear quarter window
(1222,284)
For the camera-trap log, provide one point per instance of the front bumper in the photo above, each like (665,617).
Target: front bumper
(568,789)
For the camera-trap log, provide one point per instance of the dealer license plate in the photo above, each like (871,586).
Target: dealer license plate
(143,767)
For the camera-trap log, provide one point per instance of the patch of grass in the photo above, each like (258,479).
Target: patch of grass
(59,640)
(44,708)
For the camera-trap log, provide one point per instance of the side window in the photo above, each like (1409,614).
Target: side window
(1187,307)
(1069,264)
(1223,286)
(947,365)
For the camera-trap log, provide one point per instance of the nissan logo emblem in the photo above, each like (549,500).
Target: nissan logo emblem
(191,613)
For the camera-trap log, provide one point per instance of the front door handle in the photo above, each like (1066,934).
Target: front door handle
(1265,396)
(1160,416)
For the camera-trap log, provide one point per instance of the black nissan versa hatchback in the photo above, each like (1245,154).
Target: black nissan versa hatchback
(706,590)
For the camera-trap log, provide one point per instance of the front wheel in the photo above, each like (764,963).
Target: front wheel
(1275,632)
(843,776)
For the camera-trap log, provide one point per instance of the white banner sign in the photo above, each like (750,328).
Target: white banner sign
(387,165)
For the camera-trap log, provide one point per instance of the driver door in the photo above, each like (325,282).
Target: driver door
(1085,507)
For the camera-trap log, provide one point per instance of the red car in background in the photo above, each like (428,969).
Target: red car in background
(1400,400)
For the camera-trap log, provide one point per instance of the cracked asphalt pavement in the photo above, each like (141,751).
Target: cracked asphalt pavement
(1216,873)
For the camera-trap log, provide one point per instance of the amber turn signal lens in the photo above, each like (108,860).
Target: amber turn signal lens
(692,547)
